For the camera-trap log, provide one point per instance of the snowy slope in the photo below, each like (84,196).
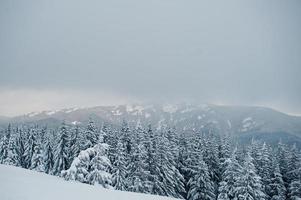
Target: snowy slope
(21,184)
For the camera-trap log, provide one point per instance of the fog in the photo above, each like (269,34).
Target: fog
(56,54)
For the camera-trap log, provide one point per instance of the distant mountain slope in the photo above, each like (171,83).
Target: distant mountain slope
(240,121)
(17,183)
(234,119)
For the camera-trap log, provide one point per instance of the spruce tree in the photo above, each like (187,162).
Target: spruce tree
(37,163)
(30,146)
(276,188)
(4,143)
(232,171)
(119,172)
(48,158)
(248,185)
(61,153)
(91,135)
(200,185)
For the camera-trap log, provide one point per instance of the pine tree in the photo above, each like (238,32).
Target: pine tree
(200,184)
(74,144)
(48,159)
(232,171)
(137,174)
(37,160)
(276,188)
(248,185)
(91,166)
(294,174)
(119,169)
(100,167)
(265,170)
(61,153)
(30,146)
(91,135)
(20,147)
(12,156)
(4,143)
(126,138)
(295,190)
(80,166)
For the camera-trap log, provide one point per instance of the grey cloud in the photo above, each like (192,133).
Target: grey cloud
(235,52)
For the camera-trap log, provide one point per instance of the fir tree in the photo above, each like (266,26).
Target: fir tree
(276,188)
(61,154)
(119,169)
(248,185)
(232,171)
(37,160)
(91,135)
(4,144)
(48,159)
(200,185)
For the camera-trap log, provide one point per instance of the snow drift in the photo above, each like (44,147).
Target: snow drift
(17,183)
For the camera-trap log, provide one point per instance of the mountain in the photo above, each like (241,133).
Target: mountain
(17,183)
(241,121)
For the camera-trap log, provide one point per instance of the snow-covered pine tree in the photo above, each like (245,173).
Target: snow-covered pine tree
(137,175)
(295,190)
(20,147)
(61,152)
(265,170)
(48,159)
(283,159)
(200,185)
(211,157)
(37,163)
(232,170)
(4,143)
(91,135)
(91,166)
(276,189)
(74,144)
(119,171)
(294,164)
(100,167)
(126,138)
(248,186)
(79,168)
(12,156)
(173,158)
(294,174)
(150,148)
(30,145)
(224,152)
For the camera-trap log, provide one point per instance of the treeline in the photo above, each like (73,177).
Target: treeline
(198,166)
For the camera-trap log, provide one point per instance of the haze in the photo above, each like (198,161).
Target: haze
(56,54)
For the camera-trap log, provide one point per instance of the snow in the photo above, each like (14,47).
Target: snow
(135,110)
(247,124)
(32,114)
(147,115)
(17,183)
(71,110)
(229,123)
(116,112)
(75,122)
(170,108)
(129,108)
(247,119)
(50,112)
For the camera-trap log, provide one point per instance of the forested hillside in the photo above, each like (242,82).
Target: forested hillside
(160,161)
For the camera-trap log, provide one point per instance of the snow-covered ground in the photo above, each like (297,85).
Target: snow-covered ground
(21,184)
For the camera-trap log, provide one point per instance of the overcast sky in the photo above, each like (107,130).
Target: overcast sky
(61,53)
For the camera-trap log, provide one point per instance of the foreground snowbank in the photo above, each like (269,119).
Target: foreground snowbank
(21,184)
